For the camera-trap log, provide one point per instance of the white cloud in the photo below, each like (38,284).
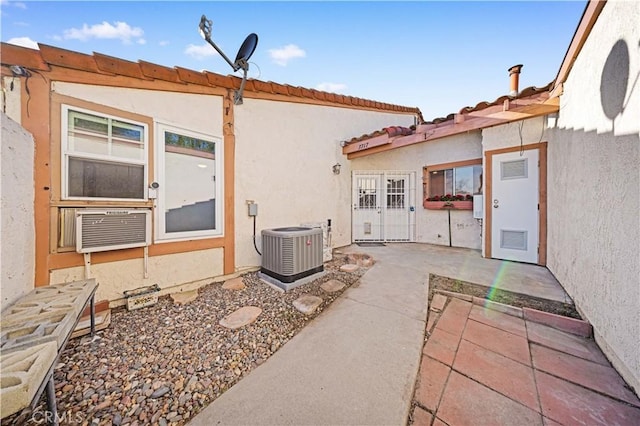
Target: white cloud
(200,52)
(284,54)
(19,5)
(163,43)
(121,31)
(141,41)
(24,42)
(331,87)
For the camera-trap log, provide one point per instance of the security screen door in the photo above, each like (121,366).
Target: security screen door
(383,206)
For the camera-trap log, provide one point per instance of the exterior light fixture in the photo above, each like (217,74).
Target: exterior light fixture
(336,169)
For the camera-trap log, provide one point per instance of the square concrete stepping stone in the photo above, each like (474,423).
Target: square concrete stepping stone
(234,284)
(307,303)
(241,317)
(350,267)
(184,297)
(332,286)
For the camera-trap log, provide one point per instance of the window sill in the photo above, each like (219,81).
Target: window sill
(448,205)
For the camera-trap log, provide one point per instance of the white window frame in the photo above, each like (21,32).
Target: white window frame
(160,235)
(66,153)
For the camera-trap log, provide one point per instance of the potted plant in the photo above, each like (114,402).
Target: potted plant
(448,201)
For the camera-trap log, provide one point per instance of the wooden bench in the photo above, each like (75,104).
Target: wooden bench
(34,332)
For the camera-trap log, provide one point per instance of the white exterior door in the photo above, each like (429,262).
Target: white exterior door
(383,206)
(367,207)
(515,206)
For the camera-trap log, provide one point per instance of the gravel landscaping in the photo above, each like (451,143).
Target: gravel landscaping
(164,363)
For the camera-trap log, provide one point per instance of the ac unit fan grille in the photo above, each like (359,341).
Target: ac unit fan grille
(101,230)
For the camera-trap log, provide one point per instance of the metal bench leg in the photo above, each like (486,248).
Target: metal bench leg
(93,316)
(51,402)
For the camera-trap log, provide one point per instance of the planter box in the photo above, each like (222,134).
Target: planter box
(448,205)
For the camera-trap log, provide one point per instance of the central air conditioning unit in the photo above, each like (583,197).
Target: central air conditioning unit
(289,254)
(103,230)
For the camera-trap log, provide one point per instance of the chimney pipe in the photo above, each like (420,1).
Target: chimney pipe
(514,77)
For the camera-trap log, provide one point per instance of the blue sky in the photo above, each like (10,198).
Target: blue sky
(438,56)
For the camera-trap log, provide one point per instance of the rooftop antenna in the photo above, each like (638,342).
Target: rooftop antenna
(244,53)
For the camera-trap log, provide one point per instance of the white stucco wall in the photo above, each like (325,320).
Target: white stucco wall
(168,271)
(17,228)
(432,226)
(594,187)
(284,156)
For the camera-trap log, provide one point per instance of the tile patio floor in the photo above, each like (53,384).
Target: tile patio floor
(484,367)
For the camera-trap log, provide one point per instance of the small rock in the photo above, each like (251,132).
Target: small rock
(307,303)
(332,286)
(349,267)
(117,420)
(184,297)
(160,392)
(241,317)
(234,284)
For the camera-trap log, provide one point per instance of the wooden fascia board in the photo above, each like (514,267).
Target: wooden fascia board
(588,20)
(159,72)
(28,58)
(118,66)
(366,143)
(69,59)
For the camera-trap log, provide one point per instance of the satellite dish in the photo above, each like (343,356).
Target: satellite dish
(246,50)
(244,53)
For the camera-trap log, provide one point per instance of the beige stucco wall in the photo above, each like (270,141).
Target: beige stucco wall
(432,226)
(17,229)
(594,187)
(183,270)
(10,99)
(199,113)
(284,156)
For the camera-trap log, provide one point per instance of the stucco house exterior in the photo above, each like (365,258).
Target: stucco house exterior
(112,134)
(554,170)
(560,185)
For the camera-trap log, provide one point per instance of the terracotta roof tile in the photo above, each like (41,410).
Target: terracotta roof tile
(47,56)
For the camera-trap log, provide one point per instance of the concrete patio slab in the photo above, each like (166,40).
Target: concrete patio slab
(598,377)
(507,344)
(508,377)
(500,377)
(466,402)
(504,322)
(568,403)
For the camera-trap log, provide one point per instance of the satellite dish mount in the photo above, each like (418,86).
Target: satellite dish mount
(244,53)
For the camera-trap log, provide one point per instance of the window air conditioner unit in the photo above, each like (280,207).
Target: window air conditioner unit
(103,230)
(289,254)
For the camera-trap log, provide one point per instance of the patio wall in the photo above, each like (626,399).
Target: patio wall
(17,240)
(284,158)
(432,226)
(594,186)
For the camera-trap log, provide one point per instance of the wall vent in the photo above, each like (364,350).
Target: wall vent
(289,254)
(103,230)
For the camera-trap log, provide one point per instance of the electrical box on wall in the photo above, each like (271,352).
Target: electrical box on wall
(253,209)
(478,206)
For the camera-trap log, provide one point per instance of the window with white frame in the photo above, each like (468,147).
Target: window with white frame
(103,157)
(190,184)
